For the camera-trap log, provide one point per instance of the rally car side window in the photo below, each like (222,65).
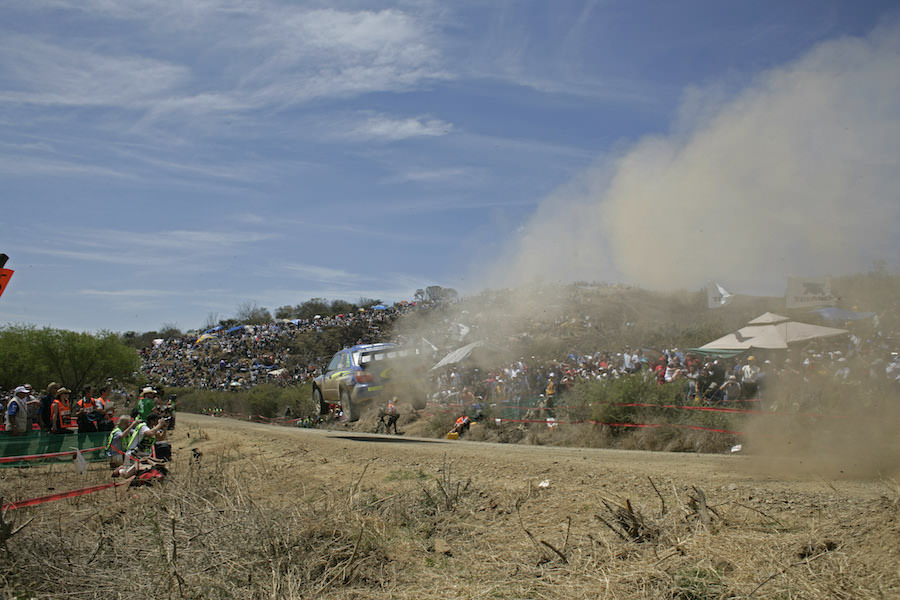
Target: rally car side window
(335,363)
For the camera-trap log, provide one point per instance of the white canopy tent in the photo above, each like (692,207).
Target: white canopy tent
(771,332)
(482,348)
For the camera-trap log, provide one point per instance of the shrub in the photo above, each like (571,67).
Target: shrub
(266,400)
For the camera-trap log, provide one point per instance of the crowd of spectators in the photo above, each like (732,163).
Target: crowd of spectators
(58,411)
(247,355)
(244,356)
(702,379)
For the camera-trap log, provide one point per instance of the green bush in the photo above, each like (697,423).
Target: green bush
(602,403)
(265,400)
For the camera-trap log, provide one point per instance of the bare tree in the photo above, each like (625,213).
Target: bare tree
(250,313)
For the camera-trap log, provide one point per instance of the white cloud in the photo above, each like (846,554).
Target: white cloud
(240,57)
(135,293)
(31,166)
(460,174)
(37,72)
(158,249)
(383,127)
(319,273)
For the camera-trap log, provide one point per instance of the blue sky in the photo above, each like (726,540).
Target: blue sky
(160,162)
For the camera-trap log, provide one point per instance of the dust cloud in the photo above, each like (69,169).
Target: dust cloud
(796,174)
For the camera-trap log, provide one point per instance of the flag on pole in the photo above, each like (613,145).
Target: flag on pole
(5,275)
(717,296)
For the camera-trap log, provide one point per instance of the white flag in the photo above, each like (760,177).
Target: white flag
(717,296)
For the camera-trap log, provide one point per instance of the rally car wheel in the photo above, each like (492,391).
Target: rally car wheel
(347,406)
(318,403)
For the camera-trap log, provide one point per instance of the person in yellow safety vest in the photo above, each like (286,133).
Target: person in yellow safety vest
(114,450)
(550,397)
(143,436)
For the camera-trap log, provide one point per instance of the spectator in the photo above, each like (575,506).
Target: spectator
(86,412)
(17,421)
(143,436)
(104,407)
(46,401)
(749,375)
(462,425)
(60,412)
(732,389)
(147,403)
(114,450)
(392,415)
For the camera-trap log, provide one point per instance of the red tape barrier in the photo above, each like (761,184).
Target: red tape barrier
(63,495)
(636,425)
(8,459)
(748,411)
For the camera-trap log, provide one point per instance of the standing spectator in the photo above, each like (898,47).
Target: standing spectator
(732,389)
(392,416)
(34,406)
(672,371)
(550,399)
(749,375)
(104,407)
(60,412)
(86,411)
(46,401)
(17,421)
(147,403)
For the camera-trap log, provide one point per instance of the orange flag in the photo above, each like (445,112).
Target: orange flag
(5,275)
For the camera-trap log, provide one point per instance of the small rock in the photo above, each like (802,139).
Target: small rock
(442,547)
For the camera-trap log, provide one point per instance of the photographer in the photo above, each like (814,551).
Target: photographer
(143,436)
(167,410)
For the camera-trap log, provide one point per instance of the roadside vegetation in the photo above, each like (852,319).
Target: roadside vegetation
(307,517)
(266,400)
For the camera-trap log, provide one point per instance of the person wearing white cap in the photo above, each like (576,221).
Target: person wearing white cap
(147,402)
(17,421)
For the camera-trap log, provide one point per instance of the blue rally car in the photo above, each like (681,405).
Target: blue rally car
(355,376)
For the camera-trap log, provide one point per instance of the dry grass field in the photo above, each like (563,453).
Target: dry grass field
(272,512)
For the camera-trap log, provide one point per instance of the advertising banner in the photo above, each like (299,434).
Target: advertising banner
(808,292)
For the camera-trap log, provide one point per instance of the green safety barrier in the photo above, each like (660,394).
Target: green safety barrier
(39,442)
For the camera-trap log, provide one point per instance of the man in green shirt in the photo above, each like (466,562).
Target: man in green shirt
(147,403)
